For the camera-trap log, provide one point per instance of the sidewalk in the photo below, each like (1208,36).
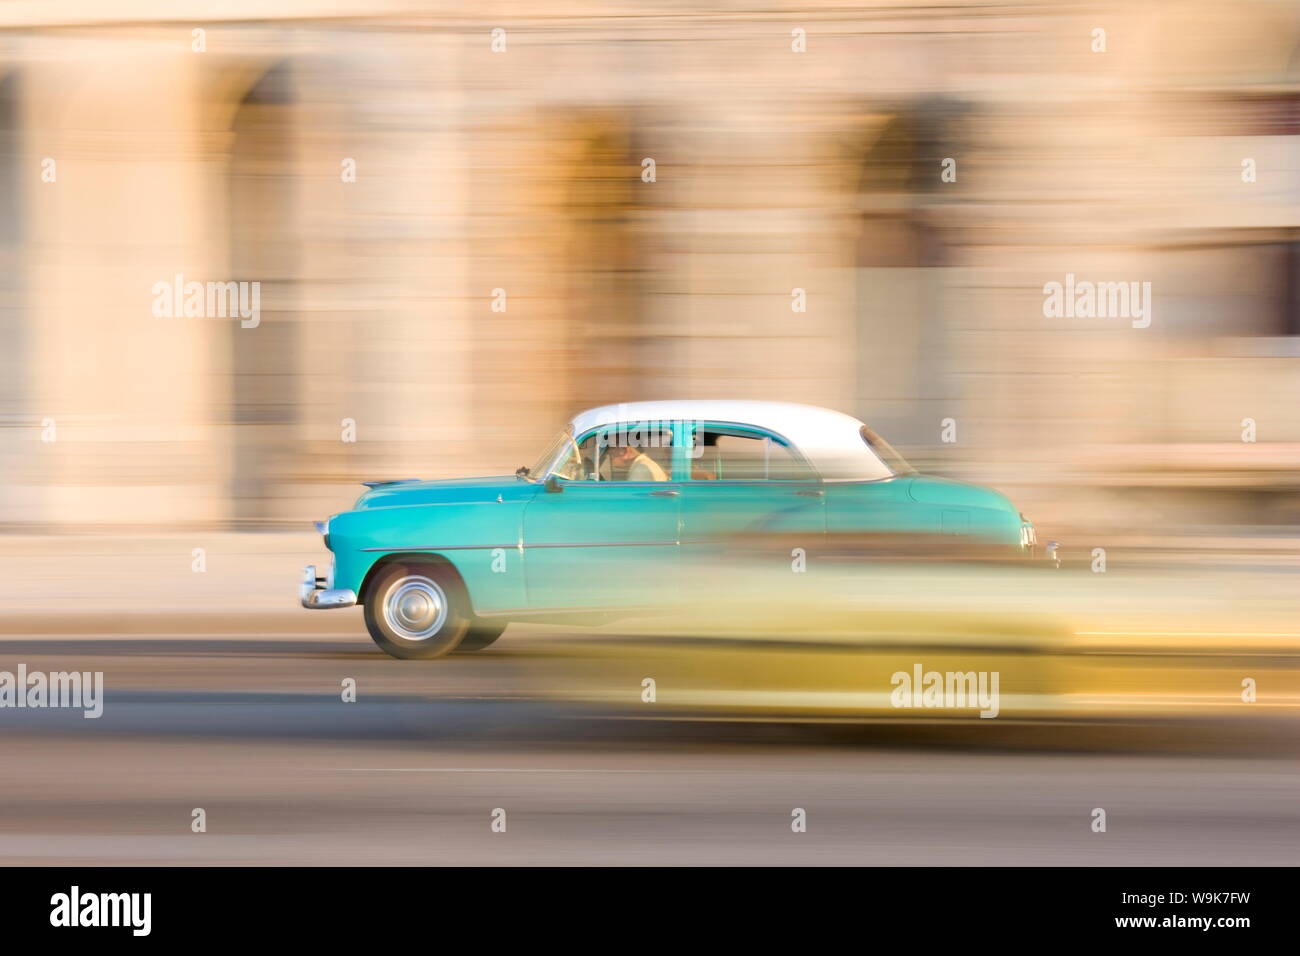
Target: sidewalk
(148,584)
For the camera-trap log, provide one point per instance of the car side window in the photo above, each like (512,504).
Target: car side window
(722,454)
(626,452)
(636,452)
(577,463)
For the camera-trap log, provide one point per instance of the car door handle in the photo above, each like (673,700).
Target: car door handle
(811,494)
(665,493)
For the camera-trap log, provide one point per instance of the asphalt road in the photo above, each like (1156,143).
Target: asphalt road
(253,730)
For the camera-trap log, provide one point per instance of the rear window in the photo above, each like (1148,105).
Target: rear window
(886,452)
(722,454)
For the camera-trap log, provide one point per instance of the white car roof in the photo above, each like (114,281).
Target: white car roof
(830,440)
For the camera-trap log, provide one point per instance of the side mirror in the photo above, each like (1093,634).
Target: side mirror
(553,484)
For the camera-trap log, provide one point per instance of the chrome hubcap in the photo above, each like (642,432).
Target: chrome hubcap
(415,608)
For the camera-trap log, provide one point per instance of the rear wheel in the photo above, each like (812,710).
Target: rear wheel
(417,611)
(480,635)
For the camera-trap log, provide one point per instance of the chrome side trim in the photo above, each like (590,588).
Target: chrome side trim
(491,547)
(447,547)
(607,544)
(314,595)
(594,610)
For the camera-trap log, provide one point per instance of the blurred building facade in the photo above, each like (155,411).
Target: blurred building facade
(499,259)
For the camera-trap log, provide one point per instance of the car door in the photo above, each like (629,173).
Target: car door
(744,486)
(597,535)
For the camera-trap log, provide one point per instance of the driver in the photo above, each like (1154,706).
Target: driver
(639,465)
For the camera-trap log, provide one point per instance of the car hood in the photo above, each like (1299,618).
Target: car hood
(446,491)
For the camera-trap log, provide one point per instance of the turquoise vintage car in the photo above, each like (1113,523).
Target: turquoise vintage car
(622,510)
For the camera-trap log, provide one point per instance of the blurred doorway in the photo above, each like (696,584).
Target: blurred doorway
(264,248)
(899,259)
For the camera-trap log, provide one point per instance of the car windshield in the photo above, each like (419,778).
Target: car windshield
(886,453)
(561,442)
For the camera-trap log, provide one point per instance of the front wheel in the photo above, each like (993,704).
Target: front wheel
(417,611)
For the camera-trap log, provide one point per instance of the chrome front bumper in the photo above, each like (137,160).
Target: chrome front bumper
(315,592)
(1029,543)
